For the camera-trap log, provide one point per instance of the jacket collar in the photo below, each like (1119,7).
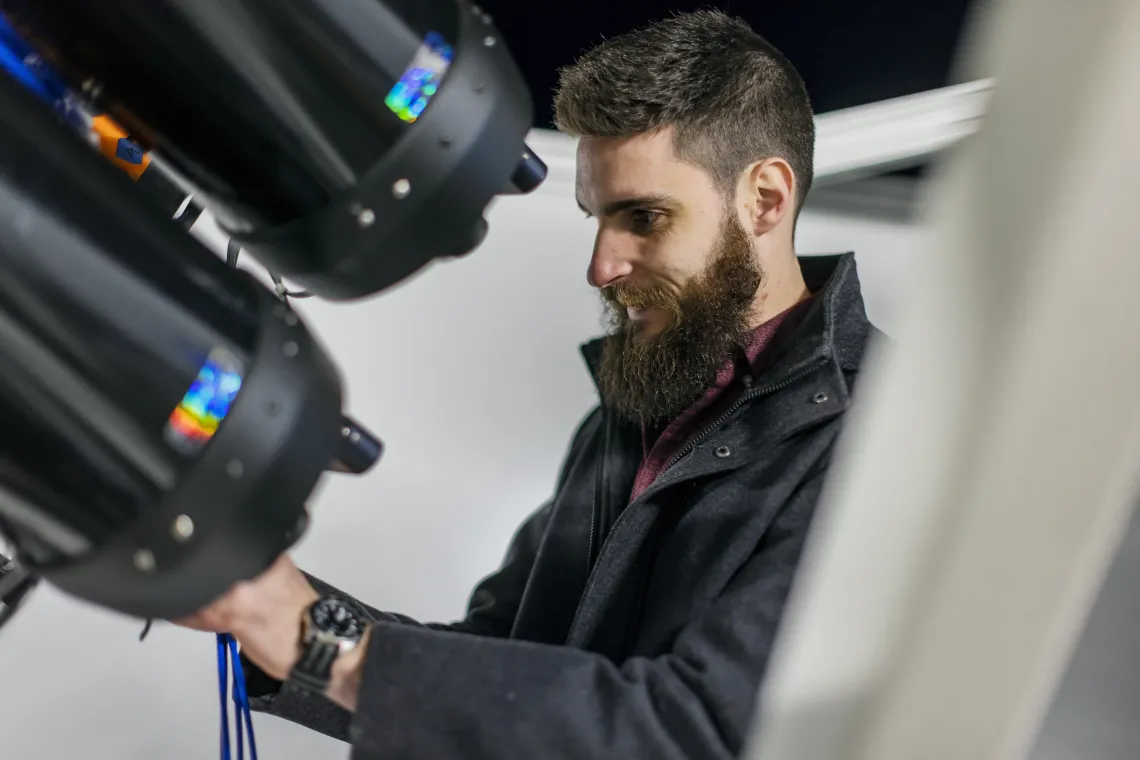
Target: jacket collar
(835,327)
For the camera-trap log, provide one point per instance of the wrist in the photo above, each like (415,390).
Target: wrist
(274,643)
(347,671)
(329,649)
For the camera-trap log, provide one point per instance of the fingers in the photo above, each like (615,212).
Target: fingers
(251,600)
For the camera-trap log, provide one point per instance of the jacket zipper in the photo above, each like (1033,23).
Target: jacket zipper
(744,399)
(689,446)
(599,483)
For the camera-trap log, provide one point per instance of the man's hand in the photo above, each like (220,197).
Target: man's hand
(264,615)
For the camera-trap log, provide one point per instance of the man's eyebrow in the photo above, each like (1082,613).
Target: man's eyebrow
(634,201)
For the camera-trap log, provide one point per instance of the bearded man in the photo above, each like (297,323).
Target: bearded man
(634,613)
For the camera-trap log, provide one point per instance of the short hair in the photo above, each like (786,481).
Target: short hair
(730,96)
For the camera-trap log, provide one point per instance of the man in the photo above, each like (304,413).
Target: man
(634,613)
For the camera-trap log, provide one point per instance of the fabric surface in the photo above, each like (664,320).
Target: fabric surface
(625,628)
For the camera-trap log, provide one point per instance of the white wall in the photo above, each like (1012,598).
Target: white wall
(471,376)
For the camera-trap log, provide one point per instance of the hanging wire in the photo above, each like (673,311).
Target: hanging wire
(233,250)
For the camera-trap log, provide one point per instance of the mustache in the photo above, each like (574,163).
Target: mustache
(627,296)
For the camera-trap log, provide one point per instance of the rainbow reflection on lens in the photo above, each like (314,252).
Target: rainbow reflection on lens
(411,95)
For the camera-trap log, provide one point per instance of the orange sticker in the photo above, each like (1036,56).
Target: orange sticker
(115,144)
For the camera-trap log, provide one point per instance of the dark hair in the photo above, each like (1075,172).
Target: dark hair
(731,98)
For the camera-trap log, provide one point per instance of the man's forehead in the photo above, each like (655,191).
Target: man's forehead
(613,169)
(602,157)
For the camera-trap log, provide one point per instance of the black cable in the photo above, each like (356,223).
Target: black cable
(233,250)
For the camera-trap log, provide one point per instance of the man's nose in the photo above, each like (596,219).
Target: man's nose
(608,264)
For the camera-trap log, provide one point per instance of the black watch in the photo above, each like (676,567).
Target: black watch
(329,627)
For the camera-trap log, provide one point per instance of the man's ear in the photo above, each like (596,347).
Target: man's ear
(769,187)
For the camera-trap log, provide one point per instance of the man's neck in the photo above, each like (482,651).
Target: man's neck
(782,289)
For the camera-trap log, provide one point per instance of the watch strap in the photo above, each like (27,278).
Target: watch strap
(314,670)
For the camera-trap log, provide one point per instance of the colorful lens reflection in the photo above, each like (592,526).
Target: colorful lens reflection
(411,95)
(195,420)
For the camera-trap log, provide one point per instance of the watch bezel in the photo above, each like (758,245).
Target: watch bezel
(316,632)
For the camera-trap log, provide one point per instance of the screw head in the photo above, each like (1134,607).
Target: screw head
(290,348)
(183,527)
(401,188)
(144,560)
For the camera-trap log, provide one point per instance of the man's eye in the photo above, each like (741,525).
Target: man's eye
(644,219)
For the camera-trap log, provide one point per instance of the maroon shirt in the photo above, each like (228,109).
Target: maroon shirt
(661,445)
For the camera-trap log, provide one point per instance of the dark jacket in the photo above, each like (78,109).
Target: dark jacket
(626,631)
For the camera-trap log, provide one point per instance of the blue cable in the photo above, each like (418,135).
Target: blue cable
(242,698)
(223,681)
(243,717)
(14,64)
(21,61)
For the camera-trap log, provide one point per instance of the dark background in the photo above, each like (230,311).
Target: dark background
(849,52)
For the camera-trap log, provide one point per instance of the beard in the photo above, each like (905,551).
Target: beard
(652,378)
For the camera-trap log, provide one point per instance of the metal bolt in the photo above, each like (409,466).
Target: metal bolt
(365,217)
(722,451)
(489,41)
(820,397)
(355,437)
(401,188)
(144,560)
(345,431)
(92,88)
(290,349)
(291,319)
(183,527)
(234,468)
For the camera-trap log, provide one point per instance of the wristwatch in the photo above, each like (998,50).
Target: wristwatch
(329,627)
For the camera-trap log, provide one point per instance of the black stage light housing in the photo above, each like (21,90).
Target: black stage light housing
(345,145)
(163,417)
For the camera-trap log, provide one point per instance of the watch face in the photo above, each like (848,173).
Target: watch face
(337,618)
